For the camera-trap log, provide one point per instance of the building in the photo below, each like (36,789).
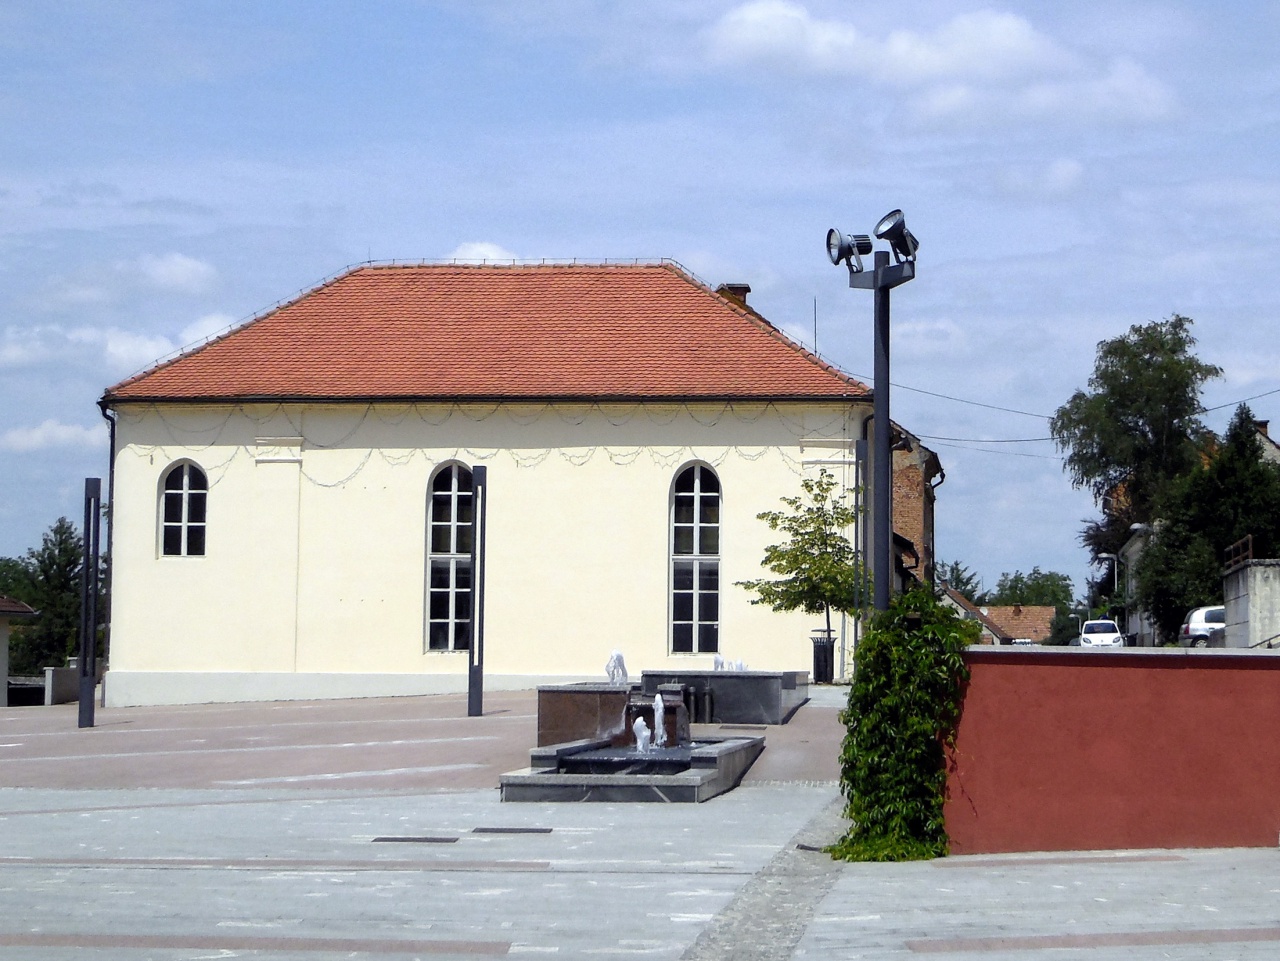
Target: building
(9,609)
(292,501)
(1004,623)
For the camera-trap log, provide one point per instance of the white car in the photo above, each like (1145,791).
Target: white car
(1100,634)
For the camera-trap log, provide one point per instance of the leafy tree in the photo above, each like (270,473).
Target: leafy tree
(1041,589)
(819,567)
(1038,588)
(903,709)
(48,579)
(1138,426)
(960,578)
(1235,494)
(15,580)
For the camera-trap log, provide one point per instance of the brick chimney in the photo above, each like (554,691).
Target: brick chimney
(736,292)
(1261,425)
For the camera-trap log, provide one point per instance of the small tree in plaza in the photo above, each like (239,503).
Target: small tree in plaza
(819,567)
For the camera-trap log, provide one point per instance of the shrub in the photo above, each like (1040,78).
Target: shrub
(904,706)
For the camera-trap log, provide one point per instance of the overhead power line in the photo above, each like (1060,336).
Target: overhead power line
(1237,403)
(986,440)
(1004,453)
(960,400)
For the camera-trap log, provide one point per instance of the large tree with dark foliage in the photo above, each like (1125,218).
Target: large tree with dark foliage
(1137,428)
(47,579)
(960,579)
(1236,493)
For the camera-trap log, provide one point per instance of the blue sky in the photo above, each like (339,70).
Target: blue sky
(1070,169)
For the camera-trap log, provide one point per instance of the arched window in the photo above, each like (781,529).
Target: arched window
(695,562)
(182,511)
(449,560)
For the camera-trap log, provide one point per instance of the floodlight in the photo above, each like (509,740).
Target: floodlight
(847,247)
(893,228)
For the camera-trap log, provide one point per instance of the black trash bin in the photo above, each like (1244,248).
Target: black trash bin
(824,658)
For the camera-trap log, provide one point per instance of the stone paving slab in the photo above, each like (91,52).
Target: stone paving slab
(252,831)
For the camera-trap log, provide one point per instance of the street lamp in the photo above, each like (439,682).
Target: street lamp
(1123,591)
(883,277)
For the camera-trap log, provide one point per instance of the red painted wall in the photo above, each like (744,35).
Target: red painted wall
(1068,750)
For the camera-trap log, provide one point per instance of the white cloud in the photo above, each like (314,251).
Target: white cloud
(123,350)
(979,66)
(983,46)
(101,284)
(51,433)
(204,327)
(117,350)
(20,347)
(176,272)
(476,251)
(783,33)
(1125,92)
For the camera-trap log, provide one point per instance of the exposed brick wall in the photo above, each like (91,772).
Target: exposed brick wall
(913,507)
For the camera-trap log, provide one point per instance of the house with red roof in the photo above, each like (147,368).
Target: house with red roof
(292,502)
(9,609)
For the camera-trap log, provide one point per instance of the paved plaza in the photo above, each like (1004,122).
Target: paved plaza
(373,829)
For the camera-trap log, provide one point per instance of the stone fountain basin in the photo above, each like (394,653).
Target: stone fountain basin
(592,770)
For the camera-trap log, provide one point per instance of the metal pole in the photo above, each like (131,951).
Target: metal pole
(89,600)
(882,516)
(475,658)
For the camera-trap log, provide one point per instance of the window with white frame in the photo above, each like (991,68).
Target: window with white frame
(449,532)
(695,562)
(183,503)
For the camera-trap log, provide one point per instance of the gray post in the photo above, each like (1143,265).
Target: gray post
(882,515)
(89,599)
(475,652)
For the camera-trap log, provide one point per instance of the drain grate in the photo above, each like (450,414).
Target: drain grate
(415,840)
(511,830)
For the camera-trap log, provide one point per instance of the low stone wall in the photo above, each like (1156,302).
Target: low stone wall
(736,697)
(1060,749)
(61,685)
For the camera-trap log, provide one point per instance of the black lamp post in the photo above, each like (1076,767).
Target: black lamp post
(881,278)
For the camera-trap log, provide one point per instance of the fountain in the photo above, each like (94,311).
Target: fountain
(646,755)
(616,669)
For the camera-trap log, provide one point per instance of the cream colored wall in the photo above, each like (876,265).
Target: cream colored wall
(315,561)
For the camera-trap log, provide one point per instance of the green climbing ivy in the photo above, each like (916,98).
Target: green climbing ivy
(903,709)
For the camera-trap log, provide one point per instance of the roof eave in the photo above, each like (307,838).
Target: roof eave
(110,401)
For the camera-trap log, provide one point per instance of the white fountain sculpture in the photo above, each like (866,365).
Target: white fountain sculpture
(717,663)
(616,669)
(642,735)
(659,722)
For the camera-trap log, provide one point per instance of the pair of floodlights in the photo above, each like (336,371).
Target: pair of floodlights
(892,228)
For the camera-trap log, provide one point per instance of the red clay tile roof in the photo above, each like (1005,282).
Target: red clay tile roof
(1024,621)
(10,607)
(637,332)
(974,612)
